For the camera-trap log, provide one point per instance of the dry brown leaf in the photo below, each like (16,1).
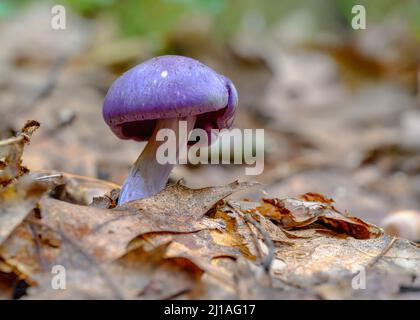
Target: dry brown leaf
(317,258)
(191,254)
(203,247)
(17,197)
(74,188)
(101,234)
(316,197)
(17,200)
(276,234)
(313,261)
(7,282)
(295,213)
(11,151)
(81,235)
(252,284)
(105,233)
(138,274)
(184,204)
(200,247)
(107,201)
(30,249)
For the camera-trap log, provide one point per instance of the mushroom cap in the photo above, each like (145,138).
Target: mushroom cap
(168,87)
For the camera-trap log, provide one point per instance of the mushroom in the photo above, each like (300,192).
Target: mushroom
(157,94)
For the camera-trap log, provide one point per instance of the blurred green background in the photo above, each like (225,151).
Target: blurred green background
(155,19)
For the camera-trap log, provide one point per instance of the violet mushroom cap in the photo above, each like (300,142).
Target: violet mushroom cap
(156,94)
(168,87)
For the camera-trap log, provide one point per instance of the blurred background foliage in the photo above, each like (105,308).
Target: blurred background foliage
(156,19)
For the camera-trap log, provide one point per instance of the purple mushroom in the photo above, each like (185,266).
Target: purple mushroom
(158,94)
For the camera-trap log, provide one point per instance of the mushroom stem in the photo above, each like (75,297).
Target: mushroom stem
(147,176)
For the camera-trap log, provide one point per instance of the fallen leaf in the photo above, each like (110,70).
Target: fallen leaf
(200,247)
(17,200)
(191,204)
(138,274)
(105,233)
(295,213)
(11,151)
(314,261)
(74,188)
(7,282)
(29,250)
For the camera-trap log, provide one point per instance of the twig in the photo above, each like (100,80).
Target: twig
(267,261)
(38,248)
(13,140)
(48,177)
(269,242)
(382,253)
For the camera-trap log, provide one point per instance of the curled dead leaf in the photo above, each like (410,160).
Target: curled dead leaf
(296,213)
(11,151)
(17,200)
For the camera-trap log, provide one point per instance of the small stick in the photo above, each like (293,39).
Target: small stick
(266,263)
(48,177)
(382,253)
(13,140)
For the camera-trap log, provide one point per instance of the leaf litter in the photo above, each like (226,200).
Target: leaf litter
(184,243)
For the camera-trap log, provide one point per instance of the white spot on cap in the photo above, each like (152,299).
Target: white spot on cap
(154,81)
(164,74)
